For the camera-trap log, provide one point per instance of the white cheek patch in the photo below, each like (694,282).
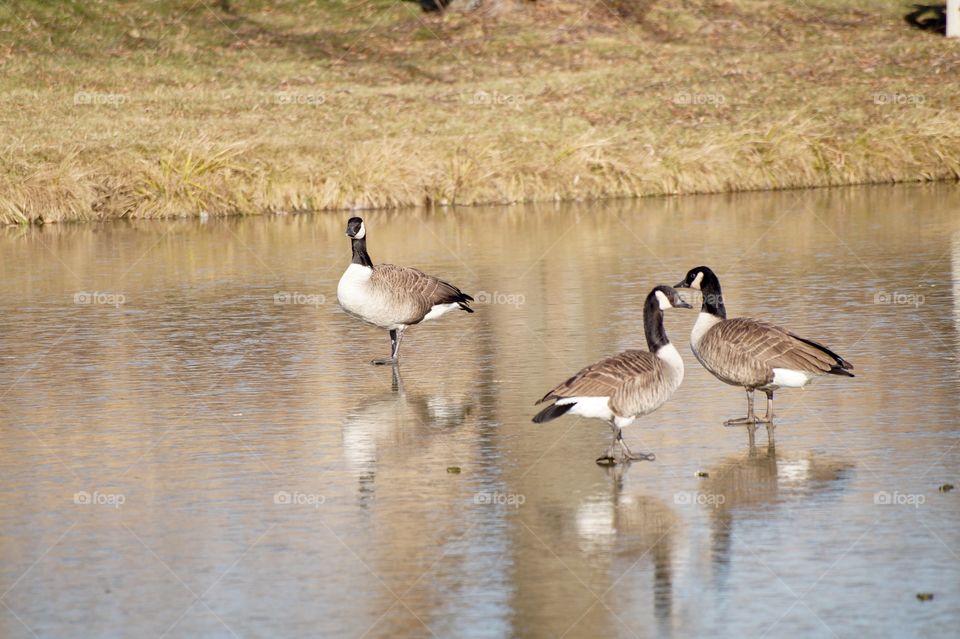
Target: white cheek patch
(664,301)
(361,233)
(696,281)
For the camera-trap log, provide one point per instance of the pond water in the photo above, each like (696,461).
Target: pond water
(194,443)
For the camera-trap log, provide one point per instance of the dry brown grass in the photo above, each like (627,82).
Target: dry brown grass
(115,110)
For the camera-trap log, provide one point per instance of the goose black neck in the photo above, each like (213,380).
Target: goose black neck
(360,255)
(712,296)
(653,324)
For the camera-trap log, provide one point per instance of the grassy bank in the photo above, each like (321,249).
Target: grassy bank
(144,109)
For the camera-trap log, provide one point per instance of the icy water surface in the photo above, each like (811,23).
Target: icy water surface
(195,445)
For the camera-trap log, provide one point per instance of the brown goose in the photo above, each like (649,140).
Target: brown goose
(621,388)
(392,297)
(752,353)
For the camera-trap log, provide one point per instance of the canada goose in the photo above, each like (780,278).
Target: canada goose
(392,297)
(752,353)
(621,388)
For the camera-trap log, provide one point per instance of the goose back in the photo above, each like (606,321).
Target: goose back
(745,352)
(637,382)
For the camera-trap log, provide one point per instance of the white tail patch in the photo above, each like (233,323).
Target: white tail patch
(595,407)
(439,309)
(789,378)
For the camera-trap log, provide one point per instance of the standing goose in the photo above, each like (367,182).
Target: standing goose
(620,388)
(392,297)
(752,353)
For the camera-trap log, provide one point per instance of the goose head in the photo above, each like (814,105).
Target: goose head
(696,276)
(355,228)
(667,297)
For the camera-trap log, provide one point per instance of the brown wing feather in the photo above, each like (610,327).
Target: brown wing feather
(745,351)
(608,376)
(415,291)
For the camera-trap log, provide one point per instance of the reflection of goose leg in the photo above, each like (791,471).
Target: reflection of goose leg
(616,473)
(395,337)
(396,384)
(750,420)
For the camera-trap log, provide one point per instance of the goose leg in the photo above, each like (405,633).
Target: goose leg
(396,345)
(619,453)
(750,419)
(395,337)
(768,418)
(631,455)
(613,455)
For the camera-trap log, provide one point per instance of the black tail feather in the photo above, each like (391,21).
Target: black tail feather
(836,370)
(462,300)
(551,412)
(842,365)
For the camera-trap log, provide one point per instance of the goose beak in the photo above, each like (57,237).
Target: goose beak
(681,285)
(682,304)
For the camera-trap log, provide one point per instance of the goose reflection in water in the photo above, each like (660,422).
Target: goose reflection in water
(631,529)
(745,487)
(395,423)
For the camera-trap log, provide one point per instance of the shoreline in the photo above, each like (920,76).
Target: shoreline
(203,214)
(601,202)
